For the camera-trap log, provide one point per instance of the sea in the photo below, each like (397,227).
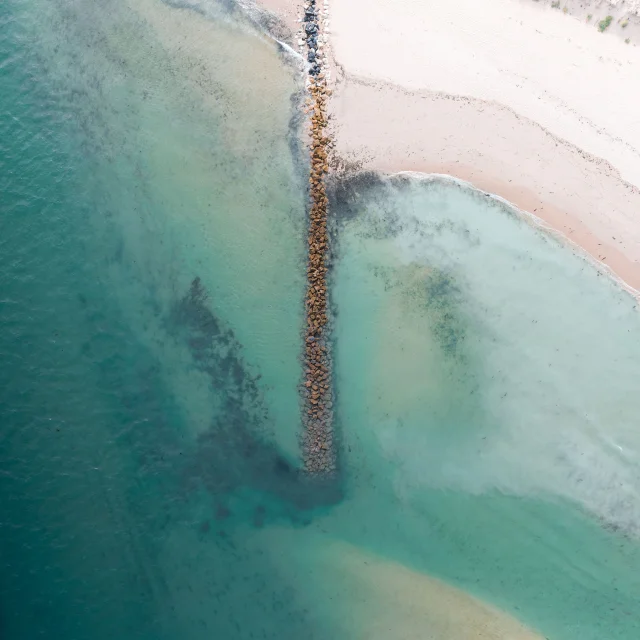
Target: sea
(153,194)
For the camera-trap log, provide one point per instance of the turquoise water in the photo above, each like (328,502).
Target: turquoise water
(494,371)
(152,278)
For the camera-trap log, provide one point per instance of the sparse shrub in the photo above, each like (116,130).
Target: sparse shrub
(624,24)
(603,25)
(565,10)
(628,40)
(589,17)
(555,4)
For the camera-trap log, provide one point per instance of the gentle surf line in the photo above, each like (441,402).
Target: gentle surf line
(531,218)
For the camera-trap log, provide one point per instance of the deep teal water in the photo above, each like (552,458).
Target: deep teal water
(151,279)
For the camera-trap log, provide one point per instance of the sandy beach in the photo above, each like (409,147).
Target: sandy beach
(525,101)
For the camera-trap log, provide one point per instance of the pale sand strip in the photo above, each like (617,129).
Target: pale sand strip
(510,68)
(411,605)
(368,597)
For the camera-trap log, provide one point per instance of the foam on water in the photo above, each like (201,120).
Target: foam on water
(152,274)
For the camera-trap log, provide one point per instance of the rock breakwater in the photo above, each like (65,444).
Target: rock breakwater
(319,444)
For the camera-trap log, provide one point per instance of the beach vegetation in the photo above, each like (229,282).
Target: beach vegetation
(589,17)
(624,24)
(555,4)
(603,25)
(627,40)
(565,10)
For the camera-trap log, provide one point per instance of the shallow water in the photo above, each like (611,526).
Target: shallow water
(491,373)
(152,277)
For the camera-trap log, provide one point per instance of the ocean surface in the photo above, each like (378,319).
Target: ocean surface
(152,261)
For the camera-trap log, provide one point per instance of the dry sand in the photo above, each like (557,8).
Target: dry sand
(514,96)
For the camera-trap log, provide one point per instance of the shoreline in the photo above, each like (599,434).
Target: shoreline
(575,82)
(381,121)
(397,117)
(591,209)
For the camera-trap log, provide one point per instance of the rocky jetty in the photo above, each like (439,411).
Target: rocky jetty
(319,446)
